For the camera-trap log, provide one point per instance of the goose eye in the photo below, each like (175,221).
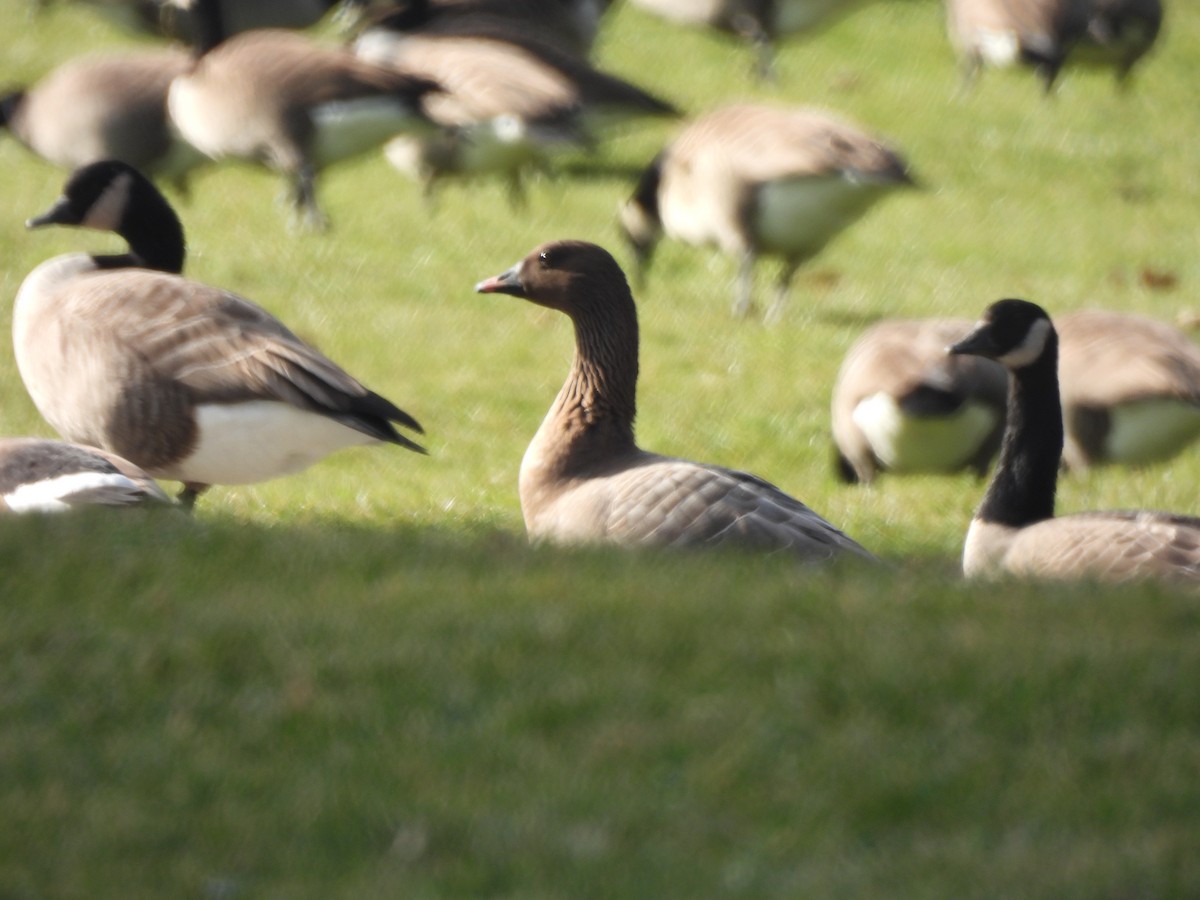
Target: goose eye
(544,258)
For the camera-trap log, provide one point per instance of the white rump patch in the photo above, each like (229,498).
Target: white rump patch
(54,494)
(1028,351)
(998,48)
(244,443)
(905,443)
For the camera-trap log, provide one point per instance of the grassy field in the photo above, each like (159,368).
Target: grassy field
(361,682)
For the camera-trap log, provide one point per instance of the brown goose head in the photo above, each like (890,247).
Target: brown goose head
(575,277)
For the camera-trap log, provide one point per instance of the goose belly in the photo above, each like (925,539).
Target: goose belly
(1150,430)
(798,15)
(691,13)
(244,443)
(905,443)
(802,214)
(348,128)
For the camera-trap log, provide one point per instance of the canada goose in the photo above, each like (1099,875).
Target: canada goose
(39,475)
(504,106)
(1130,388)
(565,25)
(900,404)
(104,107)
(762,22)
(1015,530)
(757,180)
(188,381)
(275,97)
(1119,33)
(1038,33)
(584,479)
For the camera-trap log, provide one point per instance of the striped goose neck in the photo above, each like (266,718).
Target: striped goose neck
(1023,487)
(598,402)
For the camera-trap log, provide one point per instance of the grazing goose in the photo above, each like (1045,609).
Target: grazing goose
(1038,33)
(901,404)
(188,381)
(104,107)
(762,22)
(1130,388)
(1015,530)
(1119,33)
(504,107)
(584,479)
(275,97)
(38,475)
(757,180)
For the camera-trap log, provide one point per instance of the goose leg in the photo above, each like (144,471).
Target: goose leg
(743,304)
(191,490)
(775,310)
(305,200)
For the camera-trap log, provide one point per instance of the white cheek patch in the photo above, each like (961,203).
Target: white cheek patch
(106,213)
(1029,349)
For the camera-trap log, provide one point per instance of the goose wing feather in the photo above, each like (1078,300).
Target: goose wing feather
(1113,546)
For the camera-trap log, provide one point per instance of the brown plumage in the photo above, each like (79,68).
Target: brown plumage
(761,180)
(188,381)
(1130,388)
(104,107)
(584,479)
(1015,530)
(901,404)
(277,98)
(40,475)
(1037,33)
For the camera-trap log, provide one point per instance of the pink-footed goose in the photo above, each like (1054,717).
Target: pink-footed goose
(584,479)
(188,381)
(39,475)
(760,181)
(901,404)
(1015,530)
(111,106)
(277,98)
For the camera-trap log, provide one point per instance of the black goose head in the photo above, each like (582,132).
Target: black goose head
(114,196)
(1015,333)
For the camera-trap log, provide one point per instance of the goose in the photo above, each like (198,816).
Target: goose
(1130,388)
(584,479)
(570,26)
(190,382)
(172,18)
(504,107)
(1119,33)
(39,475)
(1038,33)
(110,106)
(760,180)
(1014,530)
(900,404)
(761,22)
(275,97)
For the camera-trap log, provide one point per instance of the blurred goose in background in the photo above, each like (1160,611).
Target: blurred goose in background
(901,404)
(1130,388)
(173,18)
(504,107)
(39,475)
(277,98)
(569,26)
(584,479)
(1119,33)
(188,381)
(762,22)
(1000,33)
(760,180)
(1015,530)
(104,107)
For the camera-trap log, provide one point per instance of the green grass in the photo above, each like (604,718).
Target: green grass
(360,681)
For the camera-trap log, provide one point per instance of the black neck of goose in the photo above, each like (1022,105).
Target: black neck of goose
(154,234)
(208,26)
(1026,477)
(601,391)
